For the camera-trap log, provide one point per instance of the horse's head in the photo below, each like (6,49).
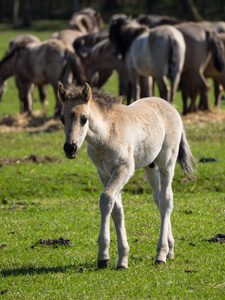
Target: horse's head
(75,115)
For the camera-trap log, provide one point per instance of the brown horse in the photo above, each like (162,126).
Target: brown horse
(94,49)
(86,20)
(201,45)
(83,22)
(22,39)
(25,39)
(41,64)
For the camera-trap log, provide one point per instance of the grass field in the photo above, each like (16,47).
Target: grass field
(46,196)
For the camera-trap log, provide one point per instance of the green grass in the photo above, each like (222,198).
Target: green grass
(50,200)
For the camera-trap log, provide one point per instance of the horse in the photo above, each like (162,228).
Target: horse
(157,52)
(218,77)
(146,134)
(156,20)
(201,45)
(87,20)
(68,35)
(87,48)
(83,22)
(22,39)
(41,64)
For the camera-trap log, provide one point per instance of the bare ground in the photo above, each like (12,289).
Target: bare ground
(37,122)
(24,122)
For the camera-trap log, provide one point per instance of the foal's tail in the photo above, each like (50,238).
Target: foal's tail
(185,157)
(217,48)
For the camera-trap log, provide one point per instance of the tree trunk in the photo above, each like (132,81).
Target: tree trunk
(26,14)
(16,8)
(190,11)
(75,6)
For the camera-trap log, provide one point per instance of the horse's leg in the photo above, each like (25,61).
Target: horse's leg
(204,93)
(122,244)
(110,203)
(165,208)
(163,87)
(217,91)
(129,92)
(146,86)
(25,94)
(174,84)
(135,82)
(58,105)
(166,164)
(42,89)
(153,178)
(193,96)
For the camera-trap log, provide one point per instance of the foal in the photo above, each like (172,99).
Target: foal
(146,134)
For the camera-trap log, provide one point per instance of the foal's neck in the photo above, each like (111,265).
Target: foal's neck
(99,126)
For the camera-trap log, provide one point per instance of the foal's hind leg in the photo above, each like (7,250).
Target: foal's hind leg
(153,178)
(165,244)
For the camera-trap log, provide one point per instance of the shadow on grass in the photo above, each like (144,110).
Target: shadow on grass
(31,270)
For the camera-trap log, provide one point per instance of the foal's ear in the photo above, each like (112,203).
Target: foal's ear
(61,92)
(86,93)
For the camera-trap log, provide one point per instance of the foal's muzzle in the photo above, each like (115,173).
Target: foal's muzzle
(70,150)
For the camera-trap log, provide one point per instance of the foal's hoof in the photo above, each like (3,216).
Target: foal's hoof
(121,268)
(160,262)
(102,264)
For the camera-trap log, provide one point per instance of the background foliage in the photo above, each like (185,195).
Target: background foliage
(24,11)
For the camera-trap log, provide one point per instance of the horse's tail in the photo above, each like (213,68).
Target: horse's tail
(217,48)
(174,59)
(73,63)
(185,157)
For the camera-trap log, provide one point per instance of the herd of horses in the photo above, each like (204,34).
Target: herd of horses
(146,134)
(144,51)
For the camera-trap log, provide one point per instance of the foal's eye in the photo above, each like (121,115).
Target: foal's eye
(62,120)
(83,120)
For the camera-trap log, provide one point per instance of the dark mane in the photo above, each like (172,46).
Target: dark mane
(84,43)
(123,32)
(156,20)
(9,55)
(103,99)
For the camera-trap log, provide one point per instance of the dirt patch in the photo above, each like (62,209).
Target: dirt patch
(37,122)
(219,238)
(32,158)
(54,242)
(24,122)
(215,115)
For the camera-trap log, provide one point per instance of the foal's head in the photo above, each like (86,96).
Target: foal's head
(75,114)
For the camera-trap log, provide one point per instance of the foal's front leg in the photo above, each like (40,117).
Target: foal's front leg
(110,203)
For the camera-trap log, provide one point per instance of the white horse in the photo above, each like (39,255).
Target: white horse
(146,134)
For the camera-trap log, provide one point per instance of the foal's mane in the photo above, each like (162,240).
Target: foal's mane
(103,99)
